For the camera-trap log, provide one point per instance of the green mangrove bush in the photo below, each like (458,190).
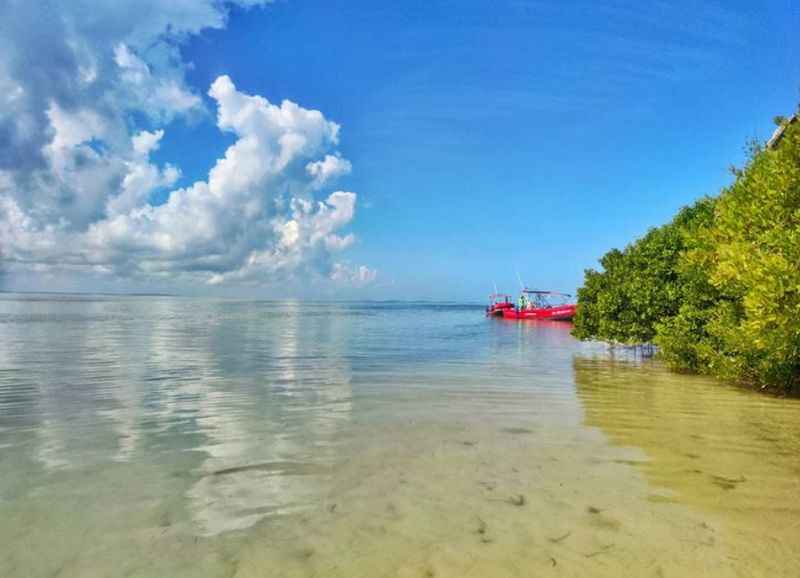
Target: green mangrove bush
(718,288)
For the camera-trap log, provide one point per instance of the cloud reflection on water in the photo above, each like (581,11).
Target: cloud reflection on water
(227,383)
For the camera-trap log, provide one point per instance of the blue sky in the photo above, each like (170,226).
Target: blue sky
(488,139)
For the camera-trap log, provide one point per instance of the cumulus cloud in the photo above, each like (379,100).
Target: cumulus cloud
(77,179)
(106,57)
(158,96)
(350,275)
(331,167)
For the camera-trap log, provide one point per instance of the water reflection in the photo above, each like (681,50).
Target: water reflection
(722,450)
(269,450)
(88,382)
(181,437)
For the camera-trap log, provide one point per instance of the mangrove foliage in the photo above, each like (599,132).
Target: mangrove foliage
(717,289)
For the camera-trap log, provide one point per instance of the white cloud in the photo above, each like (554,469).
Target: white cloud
(160,97)
(145,142)
(142,178)
(356,276)
(236,226)
(73,128)
(331,167)
(76,181)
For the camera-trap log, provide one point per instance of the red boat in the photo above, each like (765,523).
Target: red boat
(533,304)
(498,302)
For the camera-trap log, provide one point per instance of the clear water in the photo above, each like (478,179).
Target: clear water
(169,437)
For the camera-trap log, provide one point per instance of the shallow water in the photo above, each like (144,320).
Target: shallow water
(168,437)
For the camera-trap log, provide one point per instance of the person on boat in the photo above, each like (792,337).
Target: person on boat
(522,303)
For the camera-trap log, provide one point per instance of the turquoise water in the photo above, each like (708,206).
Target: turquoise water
(163,436)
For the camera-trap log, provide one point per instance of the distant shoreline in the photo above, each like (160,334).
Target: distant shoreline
(98,293)
(276,299)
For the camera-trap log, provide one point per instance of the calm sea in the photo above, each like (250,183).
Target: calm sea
(169,437)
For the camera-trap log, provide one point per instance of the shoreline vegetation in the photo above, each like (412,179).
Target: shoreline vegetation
(716,290)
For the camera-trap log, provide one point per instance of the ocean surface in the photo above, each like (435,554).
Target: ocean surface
(171,437)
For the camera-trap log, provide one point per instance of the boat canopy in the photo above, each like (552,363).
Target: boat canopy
(538,292)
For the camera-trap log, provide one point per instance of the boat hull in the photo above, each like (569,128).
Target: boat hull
(559,313)
(497,309)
